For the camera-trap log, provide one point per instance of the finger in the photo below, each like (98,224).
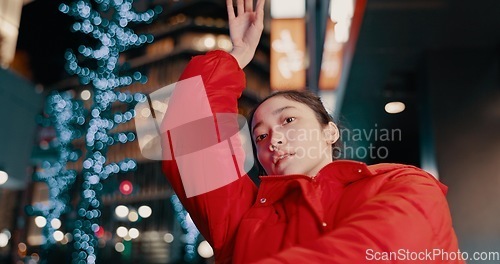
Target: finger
(259,9)
(230,9)
(241,7)
(248,5)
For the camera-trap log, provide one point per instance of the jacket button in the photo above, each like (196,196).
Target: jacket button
(262,200)
(359,170)
(324,224)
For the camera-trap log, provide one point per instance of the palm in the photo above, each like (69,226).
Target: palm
(245,29)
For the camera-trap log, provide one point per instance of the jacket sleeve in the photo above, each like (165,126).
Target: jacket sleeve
(216,213)
(409,214)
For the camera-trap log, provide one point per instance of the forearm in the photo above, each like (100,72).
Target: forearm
(243,56)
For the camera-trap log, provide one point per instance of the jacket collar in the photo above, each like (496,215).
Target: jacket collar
(337,174)
(343,171)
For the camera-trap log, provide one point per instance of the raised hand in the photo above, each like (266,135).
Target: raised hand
(245,29)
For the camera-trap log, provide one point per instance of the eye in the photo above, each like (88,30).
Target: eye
(260,137)
(288,120)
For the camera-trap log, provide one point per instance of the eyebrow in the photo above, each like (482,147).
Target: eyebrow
(275,112)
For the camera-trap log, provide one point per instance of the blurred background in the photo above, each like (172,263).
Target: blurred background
(409,81)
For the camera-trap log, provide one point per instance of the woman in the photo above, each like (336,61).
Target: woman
(308,209)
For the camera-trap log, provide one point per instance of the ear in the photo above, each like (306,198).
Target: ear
(332,133)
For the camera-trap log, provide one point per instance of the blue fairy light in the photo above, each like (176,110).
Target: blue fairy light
(114,36)
(66,116)
(188,227)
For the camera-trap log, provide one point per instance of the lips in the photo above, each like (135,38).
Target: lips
(280,156)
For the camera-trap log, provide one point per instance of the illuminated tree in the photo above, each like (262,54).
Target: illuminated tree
(66,116)
(107,24)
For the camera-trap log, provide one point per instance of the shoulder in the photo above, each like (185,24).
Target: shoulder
(394,170)
(395,175)
(385,168)
(358,175)
(390,183)
(349,171)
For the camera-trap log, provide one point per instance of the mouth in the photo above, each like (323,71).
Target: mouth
(278,158)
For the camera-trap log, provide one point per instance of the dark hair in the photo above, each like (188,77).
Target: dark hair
(305,97)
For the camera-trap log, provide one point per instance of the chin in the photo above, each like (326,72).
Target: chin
(290,170)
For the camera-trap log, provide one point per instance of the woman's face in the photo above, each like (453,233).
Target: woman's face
(289,138)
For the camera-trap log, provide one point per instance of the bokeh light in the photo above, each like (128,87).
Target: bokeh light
(126,187)
(58,235)
(145,211)
(133,216)
(394,107)
(40,221)
(3,177)
(121,211)
(121,231)
(85,95)
(133,233)
(205,250)
(55,223)
(119,247)
(4,240)
(168,238)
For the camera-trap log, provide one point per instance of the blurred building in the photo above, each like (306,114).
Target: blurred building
(183,30)
(409,81)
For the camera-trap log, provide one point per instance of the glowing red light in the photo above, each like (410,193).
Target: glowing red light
(126,187)
(100,232)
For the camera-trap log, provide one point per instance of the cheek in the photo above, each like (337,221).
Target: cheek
(262,156)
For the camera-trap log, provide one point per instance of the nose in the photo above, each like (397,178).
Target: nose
(273,147)
(277,140)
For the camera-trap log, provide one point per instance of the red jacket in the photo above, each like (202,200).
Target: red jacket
(348,213)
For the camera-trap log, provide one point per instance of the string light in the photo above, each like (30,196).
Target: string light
(66,116)
(113,36)
(188,226)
